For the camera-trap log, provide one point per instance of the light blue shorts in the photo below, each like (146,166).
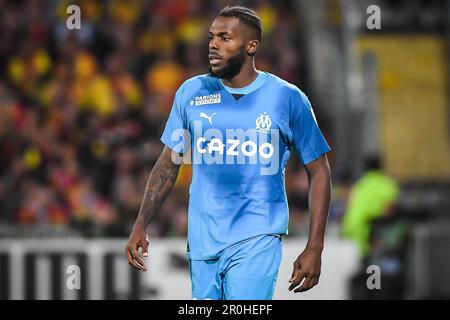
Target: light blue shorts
(247,270)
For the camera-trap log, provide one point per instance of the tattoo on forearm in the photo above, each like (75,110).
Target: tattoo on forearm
(159,185)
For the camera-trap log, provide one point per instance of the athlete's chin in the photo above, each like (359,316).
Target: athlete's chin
(216,71)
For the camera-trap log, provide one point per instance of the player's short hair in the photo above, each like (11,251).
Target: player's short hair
(245,15)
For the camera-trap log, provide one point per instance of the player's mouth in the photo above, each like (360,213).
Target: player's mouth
(214,59)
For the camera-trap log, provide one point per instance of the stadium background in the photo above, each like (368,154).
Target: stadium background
(81,113)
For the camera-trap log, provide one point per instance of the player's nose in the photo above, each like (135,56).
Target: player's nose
(213,45)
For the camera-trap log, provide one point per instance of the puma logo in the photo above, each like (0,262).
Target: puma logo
(204,115)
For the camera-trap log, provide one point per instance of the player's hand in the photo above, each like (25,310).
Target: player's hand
(306,267)
(138,239)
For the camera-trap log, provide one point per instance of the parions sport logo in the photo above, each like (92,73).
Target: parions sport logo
(208,99)
(259,146)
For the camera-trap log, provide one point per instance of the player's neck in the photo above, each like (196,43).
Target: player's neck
(245,77)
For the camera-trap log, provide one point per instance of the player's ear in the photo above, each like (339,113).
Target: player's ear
(252,47)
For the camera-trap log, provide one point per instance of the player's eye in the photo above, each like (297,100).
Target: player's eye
(225,38)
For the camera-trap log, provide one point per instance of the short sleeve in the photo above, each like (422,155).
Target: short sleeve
(306,135)
(175,131)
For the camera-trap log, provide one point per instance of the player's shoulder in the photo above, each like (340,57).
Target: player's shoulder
(199,82)
(203,84)
(289,90)
(286,87)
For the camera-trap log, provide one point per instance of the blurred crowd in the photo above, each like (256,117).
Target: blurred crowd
(81,111)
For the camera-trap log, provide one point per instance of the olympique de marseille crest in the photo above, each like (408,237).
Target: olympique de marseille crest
(263,122)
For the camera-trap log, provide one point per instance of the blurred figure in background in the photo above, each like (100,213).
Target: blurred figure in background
(372,196)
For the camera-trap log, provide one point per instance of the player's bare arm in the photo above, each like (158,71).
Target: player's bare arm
(308,264)
(159,184)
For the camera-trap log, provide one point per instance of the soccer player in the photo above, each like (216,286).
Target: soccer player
(237,125)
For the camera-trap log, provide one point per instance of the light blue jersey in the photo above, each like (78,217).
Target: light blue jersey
(239,150)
